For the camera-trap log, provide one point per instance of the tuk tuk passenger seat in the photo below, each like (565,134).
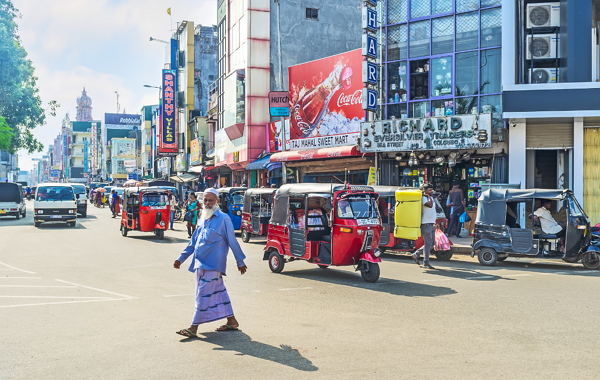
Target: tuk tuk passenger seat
(538,233)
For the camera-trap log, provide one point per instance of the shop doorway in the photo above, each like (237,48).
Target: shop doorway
(552,169)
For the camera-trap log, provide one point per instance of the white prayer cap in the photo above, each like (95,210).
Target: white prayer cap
(212,191)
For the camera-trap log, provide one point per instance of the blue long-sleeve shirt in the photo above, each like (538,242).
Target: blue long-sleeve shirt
(210,244)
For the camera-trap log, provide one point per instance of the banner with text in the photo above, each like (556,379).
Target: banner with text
(167,142)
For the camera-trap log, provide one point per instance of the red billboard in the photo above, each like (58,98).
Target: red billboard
(326,101)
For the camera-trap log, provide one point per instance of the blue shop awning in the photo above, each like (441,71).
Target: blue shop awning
(259,164)
(273,165)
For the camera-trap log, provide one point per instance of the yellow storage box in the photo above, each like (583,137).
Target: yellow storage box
(408,214)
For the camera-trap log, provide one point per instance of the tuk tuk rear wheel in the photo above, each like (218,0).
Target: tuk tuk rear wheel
(443,255)
(124,230)
(591,260)
(370,272)
(160,234)
(487,256)
(276,262)
(245,236)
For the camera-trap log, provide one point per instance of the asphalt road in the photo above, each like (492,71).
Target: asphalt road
(87,303)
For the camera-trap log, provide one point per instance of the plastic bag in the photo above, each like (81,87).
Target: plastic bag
(464,217)
(441,241)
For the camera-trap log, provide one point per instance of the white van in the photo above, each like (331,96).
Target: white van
(55,202)
(12,202)
(81,199)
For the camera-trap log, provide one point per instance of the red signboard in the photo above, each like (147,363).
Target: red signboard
(167,129)
(326,101)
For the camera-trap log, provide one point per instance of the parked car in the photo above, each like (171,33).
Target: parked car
(82,199)
(12,202)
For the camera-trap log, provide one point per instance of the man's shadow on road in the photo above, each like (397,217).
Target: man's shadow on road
(240,342)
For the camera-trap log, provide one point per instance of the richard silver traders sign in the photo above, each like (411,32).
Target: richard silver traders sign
(431,133)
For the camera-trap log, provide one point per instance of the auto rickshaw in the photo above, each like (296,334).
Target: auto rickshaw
(231,201)
(507,225)
(258,204)
(325,224)
(387,207)
(145,209)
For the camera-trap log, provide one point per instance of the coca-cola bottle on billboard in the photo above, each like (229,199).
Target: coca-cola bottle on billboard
(310,108)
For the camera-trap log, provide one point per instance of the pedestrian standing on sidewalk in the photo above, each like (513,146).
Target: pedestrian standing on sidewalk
(428,216)
(456,199)
(192,206)
(173,206)
(209,246)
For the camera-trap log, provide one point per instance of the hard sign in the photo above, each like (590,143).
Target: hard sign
(279,103)
(369,46)
(369,72)
(372,3)
(369,99)
(430,133)
(369,19)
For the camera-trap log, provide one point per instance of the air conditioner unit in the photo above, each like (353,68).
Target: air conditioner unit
(542,46)
(541,15)
(543,76)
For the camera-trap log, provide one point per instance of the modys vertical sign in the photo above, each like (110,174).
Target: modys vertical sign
(369,52)
(167,143)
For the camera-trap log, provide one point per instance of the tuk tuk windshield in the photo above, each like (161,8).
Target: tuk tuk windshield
(357,206)
(237,198)
(574,207)
(154,200)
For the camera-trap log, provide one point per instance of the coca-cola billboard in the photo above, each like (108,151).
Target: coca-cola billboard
(326,102)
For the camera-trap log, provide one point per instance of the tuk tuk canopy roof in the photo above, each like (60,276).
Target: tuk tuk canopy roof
(492,203)
(253,192)
(228,190)
(135,190)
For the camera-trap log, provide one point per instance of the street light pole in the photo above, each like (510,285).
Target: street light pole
(118,106)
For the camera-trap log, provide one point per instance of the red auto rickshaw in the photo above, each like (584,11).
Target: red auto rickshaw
(145,209)
(325,224)
(258,205)
(388,242)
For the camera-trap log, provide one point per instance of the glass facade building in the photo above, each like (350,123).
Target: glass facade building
(441,57)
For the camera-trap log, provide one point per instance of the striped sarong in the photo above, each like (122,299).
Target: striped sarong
(212,300)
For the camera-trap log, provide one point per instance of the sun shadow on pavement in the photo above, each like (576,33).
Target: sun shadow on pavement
(383,285)
(243,344)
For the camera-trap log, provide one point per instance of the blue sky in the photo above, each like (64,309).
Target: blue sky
(102,45)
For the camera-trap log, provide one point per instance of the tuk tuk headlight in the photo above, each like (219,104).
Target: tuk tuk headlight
(377,252)
(238,213)
(162,224)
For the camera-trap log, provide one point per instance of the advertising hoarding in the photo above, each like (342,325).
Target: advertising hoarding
(326,101)
(195,152)
(167,142)
(279,103)
(275,136)
(431,133)
(220,146)
(122,121)
(123,148)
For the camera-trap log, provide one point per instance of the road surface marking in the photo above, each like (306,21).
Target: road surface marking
(477,277)
(65,302)
(98,290)
(553,273)
(35,278)
(286,289)
(20,270)
(37,286)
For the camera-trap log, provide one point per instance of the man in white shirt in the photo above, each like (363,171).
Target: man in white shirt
(428,217)
(549,225)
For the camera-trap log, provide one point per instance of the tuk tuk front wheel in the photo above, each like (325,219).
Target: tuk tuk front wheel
(370,272)
(487,256)
(443,255)
(591,260)
(124,230)
(160,234)
(276,262)
(245,236)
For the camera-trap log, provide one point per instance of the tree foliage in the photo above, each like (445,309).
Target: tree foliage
(20,104)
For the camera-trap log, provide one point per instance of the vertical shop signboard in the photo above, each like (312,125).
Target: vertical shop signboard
(94,149)
(369,52)
(86,147)
(167,143)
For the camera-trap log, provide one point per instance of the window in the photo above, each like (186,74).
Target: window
(442,32)
(397,39)
(466,73)
(466,5)
(397,11)
(419,79)
(441,6)
(419,8)
(493,104)
(397,75)
(312,13)
(442,107)
(491,27)
(465,106)
(419,38)
(491,71)
(441,76)
(467,31)
(419,109)
(490,3)
(397,110)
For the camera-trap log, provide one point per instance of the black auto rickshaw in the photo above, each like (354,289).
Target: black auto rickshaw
(508,225)
(258,206)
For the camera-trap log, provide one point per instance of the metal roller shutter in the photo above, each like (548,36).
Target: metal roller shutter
(549,136)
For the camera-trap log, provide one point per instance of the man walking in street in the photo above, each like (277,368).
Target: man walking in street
(113,203)
(209,246)
(428,216)
(173,207)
